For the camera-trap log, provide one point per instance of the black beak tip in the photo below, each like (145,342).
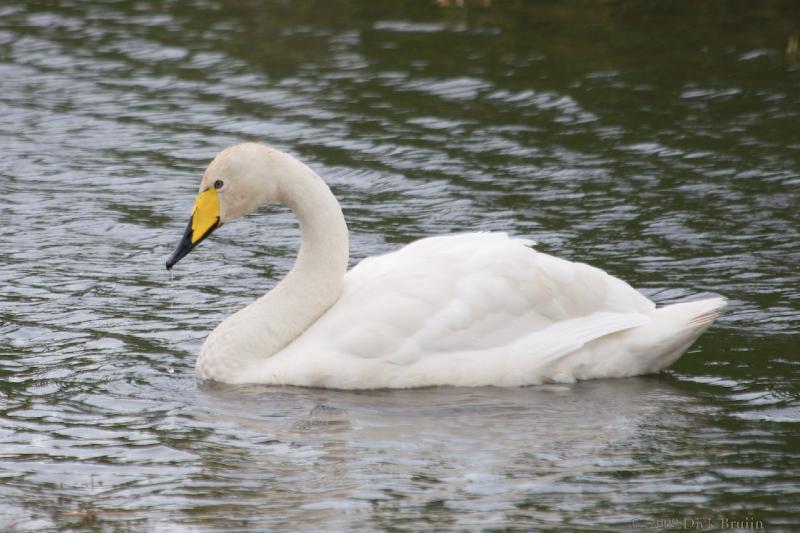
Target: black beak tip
(184,247)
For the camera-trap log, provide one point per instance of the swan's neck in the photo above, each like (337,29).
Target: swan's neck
(312,286)
(315,281)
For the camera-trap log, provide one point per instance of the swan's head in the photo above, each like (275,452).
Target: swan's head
(239,180)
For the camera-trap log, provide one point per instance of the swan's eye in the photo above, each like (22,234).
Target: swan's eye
(218,184)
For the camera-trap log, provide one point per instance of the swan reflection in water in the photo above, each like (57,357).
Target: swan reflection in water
(325,450)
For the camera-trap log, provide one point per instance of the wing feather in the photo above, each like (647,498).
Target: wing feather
(473,292)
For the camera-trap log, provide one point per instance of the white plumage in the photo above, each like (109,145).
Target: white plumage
(469,309)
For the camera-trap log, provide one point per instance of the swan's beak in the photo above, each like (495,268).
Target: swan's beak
(205,219)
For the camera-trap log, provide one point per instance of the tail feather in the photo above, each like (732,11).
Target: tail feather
(677,326)
(645,349)
(705,318)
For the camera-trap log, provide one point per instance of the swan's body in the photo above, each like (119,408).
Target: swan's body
(470,309)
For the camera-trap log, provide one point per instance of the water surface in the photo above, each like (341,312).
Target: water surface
(657,141)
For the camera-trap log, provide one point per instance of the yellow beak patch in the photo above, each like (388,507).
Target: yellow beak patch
(205,214)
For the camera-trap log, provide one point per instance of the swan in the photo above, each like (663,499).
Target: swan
(471,309)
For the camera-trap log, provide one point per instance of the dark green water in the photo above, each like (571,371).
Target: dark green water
(657,140)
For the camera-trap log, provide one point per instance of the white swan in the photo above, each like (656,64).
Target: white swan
(470,309)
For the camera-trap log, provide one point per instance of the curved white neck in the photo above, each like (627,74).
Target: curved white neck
(315,281)
(314,284)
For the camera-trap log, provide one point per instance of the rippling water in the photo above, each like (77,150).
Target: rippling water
(658,141)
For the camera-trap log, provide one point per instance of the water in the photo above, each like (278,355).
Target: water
(657,141)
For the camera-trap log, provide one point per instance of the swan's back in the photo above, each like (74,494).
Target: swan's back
(475,291)
(479,309)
